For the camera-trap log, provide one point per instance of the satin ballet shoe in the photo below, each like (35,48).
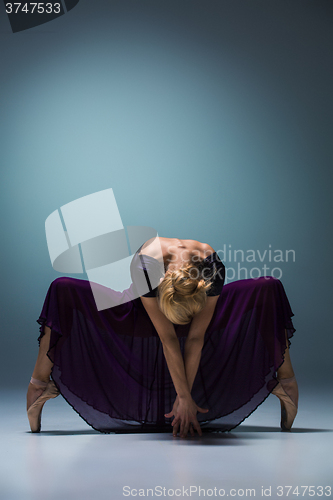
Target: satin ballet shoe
(287,392)
(35,410)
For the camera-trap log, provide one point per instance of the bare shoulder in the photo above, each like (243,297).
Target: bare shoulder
(207,249)
(204,249)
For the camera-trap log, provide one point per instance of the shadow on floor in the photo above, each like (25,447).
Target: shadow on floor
(214,433)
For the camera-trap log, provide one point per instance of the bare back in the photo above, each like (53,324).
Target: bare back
(175,252)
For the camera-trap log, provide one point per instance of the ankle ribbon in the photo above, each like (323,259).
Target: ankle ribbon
(35,381)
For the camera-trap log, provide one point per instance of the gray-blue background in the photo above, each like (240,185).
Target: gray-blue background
(210,120)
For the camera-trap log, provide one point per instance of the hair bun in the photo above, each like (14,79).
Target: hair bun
(182,294)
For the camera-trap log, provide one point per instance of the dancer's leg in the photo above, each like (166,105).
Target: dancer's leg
(287,392)
(286,369)
(42,368)
(43,364)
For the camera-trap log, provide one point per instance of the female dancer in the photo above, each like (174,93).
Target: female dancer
(209,353)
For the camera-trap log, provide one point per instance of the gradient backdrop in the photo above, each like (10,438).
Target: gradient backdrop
(210,120)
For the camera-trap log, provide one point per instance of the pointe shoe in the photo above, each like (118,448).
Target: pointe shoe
(287,392)
(35,410)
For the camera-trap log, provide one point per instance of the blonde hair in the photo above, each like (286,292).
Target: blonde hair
(182,294)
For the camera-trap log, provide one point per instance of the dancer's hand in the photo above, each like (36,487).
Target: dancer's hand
(185,410)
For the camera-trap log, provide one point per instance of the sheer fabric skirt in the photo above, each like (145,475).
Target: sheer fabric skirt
(110,367)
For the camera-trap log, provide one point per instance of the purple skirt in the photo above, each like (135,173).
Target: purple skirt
(110,367)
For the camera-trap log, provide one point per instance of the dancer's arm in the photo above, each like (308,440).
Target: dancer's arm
(171,347)
(195,339)
(186,409)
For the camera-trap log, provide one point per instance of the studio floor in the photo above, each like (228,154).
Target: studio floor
(68,460)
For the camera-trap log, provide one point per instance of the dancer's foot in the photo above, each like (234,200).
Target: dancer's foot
(287,392)
(34,391)
(46,391)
